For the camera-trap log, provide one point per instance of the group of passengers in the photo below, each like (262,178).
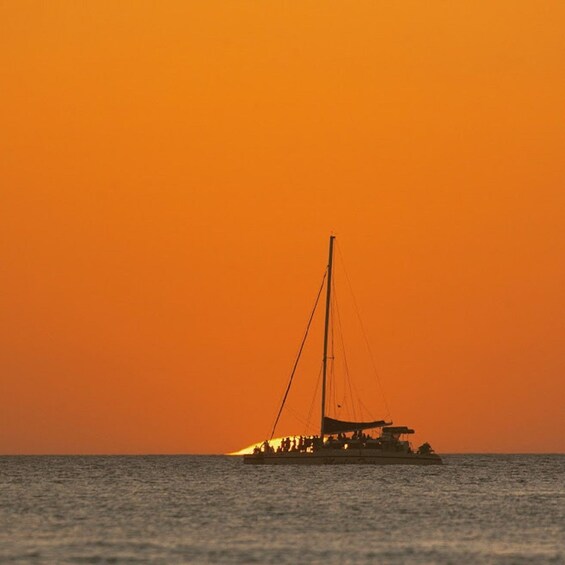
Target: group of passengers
(341,441)
(358,439)
(307,444)
(303,444)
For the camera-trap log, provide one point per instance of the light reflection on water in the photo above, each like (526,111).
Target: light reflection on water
(198,509)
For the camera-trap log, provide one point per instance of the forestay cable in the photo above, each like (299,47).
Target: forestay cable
(299,354)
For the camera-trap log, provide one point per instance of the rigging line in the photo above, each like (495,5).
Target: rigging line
(345,364)
(354,393)
(345,399)
(299,354)
(362,407)
(339,330)
(371,356)
(297,416)
(309,418)
(337,325)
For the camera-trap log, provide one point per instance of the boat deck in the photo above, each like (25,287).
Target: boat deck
(330,456)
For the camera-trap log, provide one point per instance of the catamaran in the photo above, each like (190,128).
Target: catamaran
(340,441)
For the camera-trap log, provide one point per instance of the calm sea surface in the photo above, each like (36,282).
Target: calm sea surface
(198,509)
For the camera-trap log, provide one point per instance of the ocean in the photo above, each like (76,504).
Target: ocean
(213,509)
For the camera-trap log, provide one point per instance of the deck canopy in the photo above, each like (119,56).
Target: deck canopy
(332,426)
(398,430)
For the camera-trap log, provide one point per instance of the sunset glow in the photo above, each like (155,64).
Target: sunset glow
(170,174)
(274,443)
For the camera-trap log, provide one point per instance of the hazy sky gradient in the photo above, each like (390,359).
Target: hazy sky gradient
(169,176)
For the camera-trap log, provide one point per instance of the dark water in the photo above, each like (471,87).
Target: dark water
(197,509)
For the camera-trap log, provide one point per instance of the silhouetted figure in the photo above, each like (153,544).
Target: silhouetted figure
(425,449)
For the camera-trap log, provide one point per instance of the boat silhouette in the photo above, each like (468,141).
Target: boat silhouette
(341,441)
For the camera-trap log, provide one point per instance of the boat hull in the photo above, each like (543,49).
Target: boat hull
(342,457)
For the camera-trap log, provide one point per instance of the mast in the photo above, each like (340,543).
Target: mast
(326,332)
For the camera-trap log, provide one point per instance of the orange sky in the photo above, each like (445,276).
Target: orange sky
(169,176)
